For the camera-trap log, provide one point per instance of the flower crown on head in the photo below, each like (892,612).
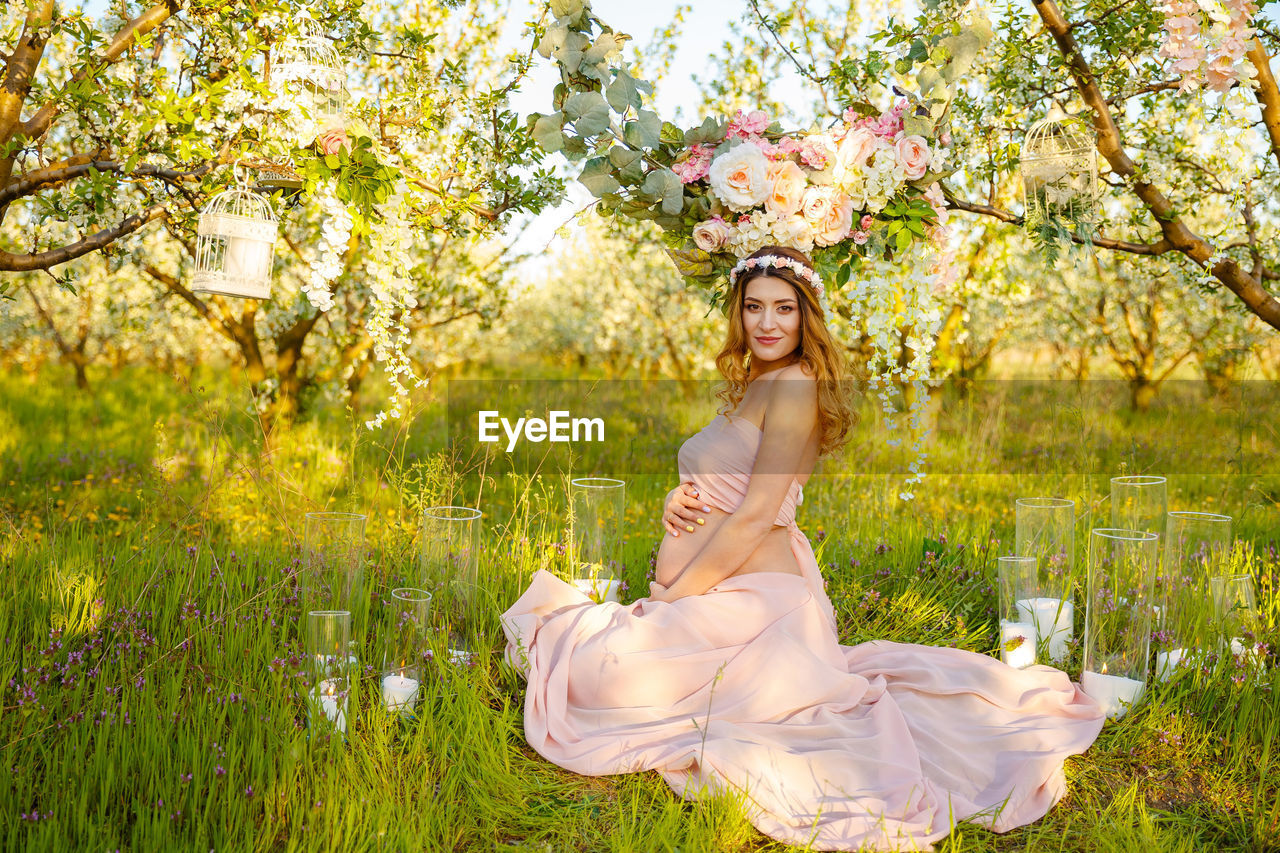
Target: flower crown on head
(763,261)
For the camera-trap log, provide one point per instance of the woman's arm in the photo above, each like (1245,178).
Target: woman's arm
(790,418)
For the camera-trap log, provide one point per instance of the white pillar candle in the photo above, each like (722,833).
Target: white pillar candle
(1167,662)
(1114,693)
(246,258)
(1251,654)
(399,692)
(603,589)
(332,703)
(1017,654)
(459,657)
(1053,618)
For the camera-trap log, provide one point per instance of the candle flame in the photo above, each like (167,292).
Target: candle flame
(1104,669)
(330,688)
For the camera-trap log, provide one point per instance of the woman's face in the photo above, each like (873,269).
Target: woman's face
(771,321)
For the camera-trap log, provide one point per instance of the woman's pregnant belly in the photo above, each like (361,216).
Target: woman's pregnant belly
(771,555)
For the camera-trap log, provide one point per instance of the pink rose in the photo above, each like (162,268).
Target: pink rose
(787,186)
(913,154)
(857,146)
(865,222)
(711,235)
(333,140)
(860,237)
(835,226)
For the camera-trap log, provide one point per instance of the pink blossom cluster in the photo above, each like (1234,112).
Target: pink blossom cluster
(747,125)
(1208,46)
(886,125)
(695,165)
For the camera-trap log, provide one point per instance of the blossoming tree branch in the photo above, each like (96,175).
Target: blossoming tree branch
(112,128)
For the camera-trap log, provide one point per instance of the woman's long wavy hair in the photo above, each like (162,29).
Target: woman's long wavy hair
(817,350)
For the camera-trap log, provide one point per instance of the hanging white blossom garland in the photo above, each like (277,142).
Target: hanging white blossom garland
(393,300)
(897,298)
(335,234)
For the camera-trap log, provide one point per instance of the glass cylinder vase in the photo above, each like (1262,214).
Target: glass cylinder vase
(333,561)
(1118,616)
(597,507)
(1045,530)
(1197,546)
(1016,579)
(1236,618)
(449,551)
(327,638)
(405,649)
(1139,503)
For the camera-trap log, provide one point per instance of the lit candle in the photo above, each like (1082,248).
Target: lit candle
(602,589)
(1053,619)
(1167,662)
(332,703)
(1114,693)
(1017,643)
(399,692)
(459,657)
(246,258)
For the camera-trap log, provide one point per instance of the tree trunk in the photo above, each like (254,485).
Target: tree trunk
(1142,391)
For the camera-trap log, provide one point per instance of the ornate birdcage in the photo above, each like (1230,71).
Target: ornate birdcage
(235,242)
(278,175)
(1060,170)
(307,74)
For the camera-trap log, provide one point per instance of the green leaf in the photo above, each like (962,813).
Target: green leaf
(709,131)
(918,126)
(581,103)
(621,157)
(589,112)
(904,240)
(332,161)
(548,133)
(605,44)
(842,274)
(622,92)
(691,263)
(645,131)
(597,177)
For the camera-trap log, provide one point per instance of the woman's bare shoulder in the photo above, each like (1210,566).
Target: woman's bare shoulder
(798,371)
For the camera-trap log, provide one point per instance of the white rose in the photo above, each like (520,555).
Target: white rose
(711,235)
(817,203)
(740,177)
(794,231)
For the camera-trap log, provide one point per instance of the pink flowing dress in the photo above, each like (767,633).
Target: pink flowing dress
(746,688)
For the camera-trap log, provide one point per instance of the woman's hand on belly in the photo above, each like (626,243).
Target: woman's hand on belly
(772,555)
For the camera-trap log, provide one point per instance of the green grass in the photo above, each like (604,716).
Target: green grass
(149,689)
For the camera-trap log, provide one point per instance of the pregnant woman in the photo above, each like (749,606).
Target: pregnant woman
(730,676)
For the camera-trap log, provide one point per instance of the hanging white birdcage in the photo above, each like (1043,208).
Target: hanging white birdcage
(307,78)
(235,241)
(1059,167)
